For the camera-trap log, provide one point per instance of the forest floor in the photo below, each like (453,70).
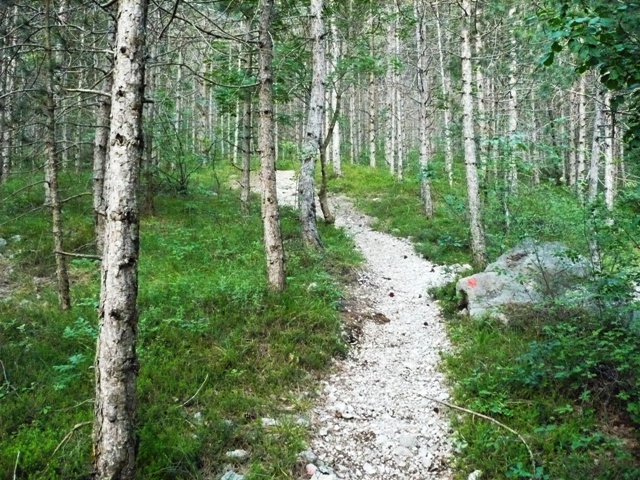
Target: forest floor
(374,417)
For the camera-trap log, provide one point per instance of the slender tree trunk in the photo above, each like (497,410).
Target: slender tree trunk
(372,120)
(116,360)
(311,147)
(477,234)
(480,99)
(423,90)
(582,136)
(101,151)
(270,215)
(607,143)
(247,122)
(336,138)
(513,110)
(446,91)
(51,170)
(6,104)
(596,152)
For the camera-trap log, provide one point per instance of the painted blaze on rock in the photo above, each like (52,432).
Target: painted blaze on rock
(529,273)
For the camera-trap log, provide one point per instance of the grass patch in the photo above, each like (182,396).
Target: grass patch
(206,320)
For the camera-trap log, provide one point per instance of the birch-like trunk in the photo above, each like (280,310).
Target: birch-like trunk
(247,123)
(270,216)
(446,94)
(582,136)
(596,152)
(478,247)
(101,149)
(116,360)
(51,169)
(390,107)
(6,104)
(423,91)
(607,147)
(372,120)
(311,146)
(336,137)
(483,128)
(512,174)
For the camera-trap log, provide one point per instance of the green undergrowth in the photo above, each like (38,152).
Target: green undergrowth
(217,351)
(566,380)
(546,212)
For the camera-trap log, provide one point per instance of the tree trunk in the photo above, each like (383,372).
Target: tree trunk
(336,138)
(607,143)
(513,110)
(582,135)
(270,215)
(51,170)
(477,234)
(596,152)
(247,121)
(424,91)
(116,361)
(311,147)
(446,113)
(101,151)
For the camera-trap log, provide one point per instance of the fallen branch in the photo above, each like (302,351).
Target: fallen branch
(78,255)
(480,415)
(15,468)
(68,436)
(197,392)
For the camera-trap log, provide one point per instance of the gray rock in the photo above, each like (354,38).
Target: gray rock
(231,475)
(402,452)
(369,469)
(308,456)
(476,475)
(529,273)
(3,245)
(269,422)
(237,454)
(408,441)
(324,473)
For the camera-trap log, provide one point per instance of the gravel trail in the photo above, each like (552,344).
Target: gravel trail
(373,420)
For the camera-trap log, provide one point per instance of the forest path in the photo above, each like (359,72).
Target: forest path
(373,419)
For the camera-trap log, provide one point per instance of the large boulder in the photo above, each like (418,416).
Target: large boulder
(529,273)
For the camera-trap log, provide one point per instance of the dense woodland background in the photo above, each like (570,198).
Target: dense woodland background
(467,126)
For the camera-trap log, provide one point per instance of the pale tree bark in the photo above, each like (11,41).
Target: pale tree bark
(116,360)
(372,120)
(512,175)
(311,147)
(596,152)
(483,128)
(336,137)
(424,91)
(6,104)
(247,122)
(390,85)
(573,158)
(478,247)
(270,216)
(582,136)
(607,147)
(446,93)
(101,149)
(51,168)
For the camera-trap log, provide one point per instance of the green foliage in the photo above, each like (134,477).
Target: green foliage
(603,35)
(207,325)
